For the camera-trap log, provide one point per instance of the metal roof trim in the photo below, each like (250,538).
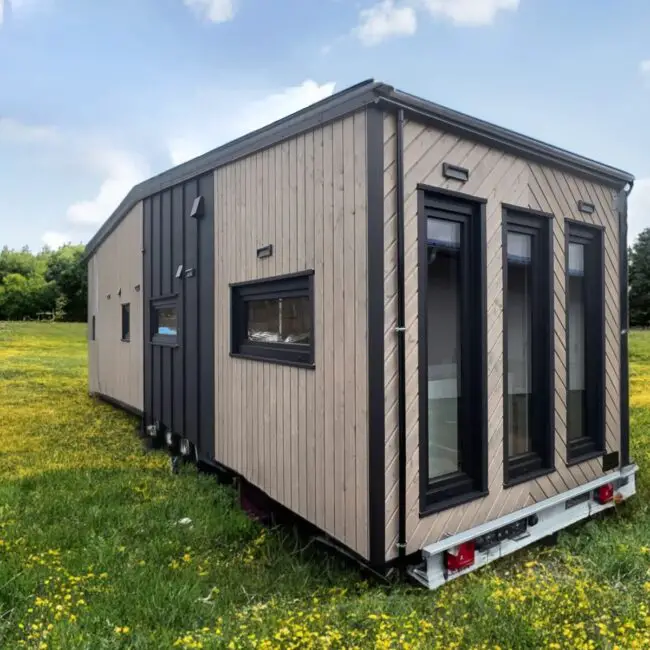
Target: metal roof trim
(503,138)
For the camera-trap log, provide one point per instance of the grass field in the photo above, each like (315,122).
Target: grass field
(92,555)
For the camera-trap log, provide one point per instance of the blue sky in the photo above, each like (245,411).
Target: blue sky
(97,96)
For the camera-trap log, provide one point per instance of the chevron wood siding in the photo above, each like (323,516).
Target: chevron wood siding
(114,366)
(500,178)
(301,435)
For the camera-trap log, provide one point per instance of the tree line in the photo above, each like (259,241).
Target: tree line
(639,280)
(50,284)
(53,283)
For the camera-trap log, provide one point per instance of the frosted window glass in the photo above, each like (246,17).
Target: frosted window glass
(576,259)
(443,233)
(519,247)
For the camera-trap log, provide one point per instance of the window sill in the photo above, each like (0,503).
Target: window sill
(165,344)
(279,362)
(434,507)
(575,459)
(530,476)
(126,340)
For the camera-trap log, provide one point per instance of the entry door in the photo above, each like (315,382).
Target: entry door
(179,311)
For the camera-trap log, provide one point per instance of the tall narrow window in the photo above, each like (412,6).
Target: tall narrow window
(93,329)
(451,283)
(528,345)
(444,350)
(585,328)
(126,322)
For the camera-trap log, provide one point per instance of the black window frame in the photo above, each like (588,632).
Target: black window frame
(126,322)
(592,238)
(156,304)
(292,285)
(541,460)
(462,486)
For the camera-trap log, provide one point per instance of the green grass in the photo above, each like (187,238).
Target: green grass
(92,555)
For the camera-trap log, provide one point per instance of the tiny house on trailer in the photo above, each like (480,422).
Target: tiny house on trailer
(404,324)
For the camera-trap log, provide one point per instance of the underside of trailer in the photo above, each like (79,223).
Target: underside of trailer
(404,325)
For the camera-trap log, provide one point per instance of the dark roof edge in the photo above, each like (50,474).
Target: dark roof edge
(329,109)
(348,101)
(505,139)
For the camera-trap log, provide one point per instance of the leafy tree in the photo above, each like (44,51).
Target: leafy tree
(59,308)
(21,262)
(66,268)
(639,281)
(48,281)
(24,297)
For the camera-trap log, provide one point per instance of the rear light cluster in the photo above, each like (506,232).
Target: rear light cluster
(605,493)
(460,557)
(463,556)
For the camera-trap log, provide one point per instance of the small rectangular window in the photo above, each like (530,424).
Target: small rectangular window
(453,424)
(585,342)
(164,321)
(93,330)
(126,322)
(272,319)
(528,346)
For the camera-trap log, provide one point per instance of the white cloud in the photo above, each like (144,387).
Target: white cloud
(215,11)
(16,132)
(20,8)
(638,209)
(385,20)
(122,170)
(644,67)
(469,12)
(55,240)
(218,127)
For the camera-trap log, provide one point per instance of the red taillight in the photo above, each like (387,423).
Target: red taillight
(460,557)
(605,493)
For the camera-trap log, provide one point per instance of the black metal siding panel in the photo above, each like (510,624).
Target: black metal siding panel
(179,380)
(156,243)
(166,383)
(178,223)
(156,380)
(190,328)
(206,279)
(145,290)
(166,242)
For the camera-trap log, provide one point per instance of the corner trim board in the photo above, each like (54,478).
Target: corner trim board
(375,287)
(624,328)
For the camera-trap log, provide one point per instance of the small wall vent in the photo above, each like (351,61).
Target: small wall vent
(454,172)
(586,207)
